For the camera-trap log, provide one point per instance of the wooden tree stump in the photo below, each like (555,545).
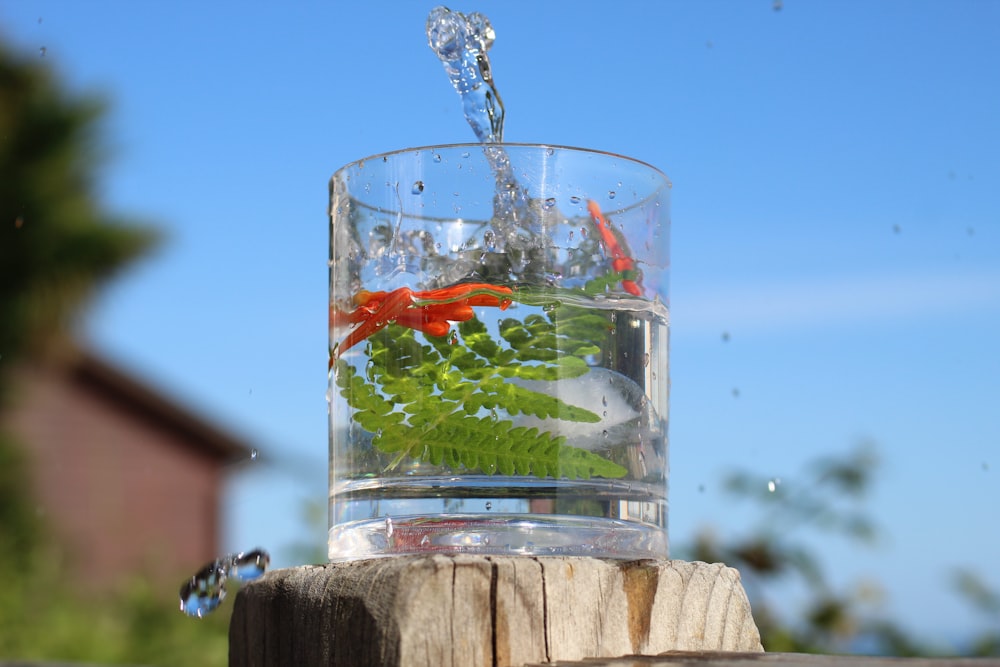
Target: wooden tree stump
(487,611)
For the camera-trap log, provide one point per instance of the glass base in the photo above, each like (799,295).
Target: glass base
(497,534)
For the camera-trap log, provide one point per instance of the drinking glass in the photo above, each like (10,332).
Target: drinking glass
(498,353)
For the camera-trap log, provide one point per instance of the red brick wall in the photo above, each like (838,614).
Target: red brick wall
(123,496)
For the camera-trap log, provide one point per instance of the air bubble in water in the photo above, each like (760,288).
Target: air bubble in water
(612,194)
(418,187)
(437,157)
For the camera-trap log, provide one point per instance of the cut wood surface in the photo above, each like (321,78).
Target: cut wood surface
(487,611)
(727,659)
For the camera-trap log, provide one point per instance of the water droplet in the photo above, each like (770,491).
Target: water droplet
(486,540)
(550,151)
(489,506)
(425,540)
(645,360)
(42,51)
(612,194)
(772,484)
(604,401)
(388,526)
(574,200)
(549,203)
(254,454)
(249,565)
(205,591)
(418,187)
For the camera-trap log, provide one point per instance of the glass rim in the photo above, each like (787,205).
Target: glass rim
(479,145)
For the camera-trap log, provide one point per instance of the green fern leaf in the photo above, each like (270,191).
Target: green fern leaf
(439,402)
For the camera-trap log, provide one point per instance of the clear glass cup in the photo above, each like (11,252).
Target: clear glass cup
(498,353)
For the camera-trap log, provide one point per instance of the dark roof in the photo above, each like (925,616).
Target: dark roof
(89,369)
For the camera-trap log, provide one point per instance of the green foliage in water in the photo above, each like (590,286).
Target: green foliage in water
(427,401)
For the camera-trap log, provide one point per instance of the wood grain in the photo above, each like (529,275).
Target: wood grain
(486,611)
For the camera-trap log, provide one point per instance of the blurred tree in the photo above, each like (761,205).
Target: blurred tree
(56,245)
(56,242)
(828,496)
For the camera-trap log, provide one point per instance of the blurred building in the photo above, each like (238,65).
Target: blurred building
(128,482)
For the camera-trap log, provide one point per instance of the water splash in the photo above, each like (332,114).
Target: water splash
(206,589)
(461,41)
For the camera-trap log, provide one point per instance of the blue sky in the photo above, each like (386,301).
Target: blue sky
(835,215)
